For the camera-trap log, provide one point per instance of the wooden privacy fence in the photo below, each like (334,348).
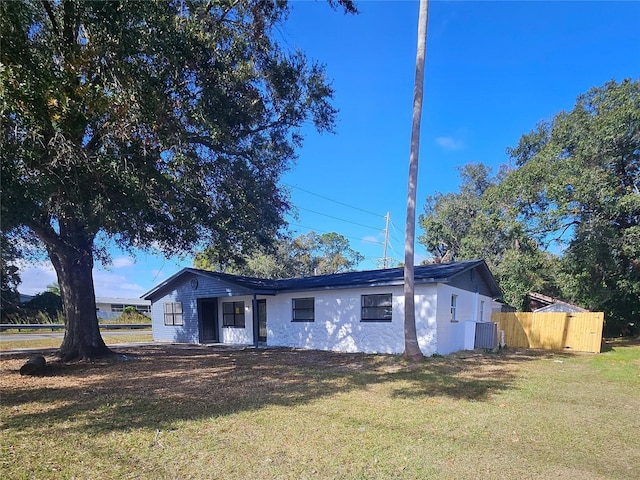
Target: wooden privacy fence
(577,332)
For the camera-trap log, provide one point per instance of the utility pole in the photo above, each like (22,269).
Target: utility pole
(386,242)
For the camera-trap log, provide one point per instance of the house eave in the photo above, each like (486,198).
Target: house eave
(258,286)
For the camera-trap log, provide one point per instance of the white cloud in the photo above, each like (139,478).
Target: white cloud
(450,143)
(371,239)
(35,277)
(109,284)
(122,262)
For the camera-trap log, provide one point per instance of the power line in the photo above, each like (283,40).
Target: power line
(340,219)
(397,231)
(332,200)
(326,231)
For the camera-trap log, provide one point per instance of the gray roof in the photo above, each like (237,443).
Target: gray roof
(560,307)
(432,273)
(423,274)
(122,300)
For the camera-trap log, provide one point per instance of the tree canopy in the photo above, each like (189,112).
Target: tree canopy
(149,124)
(564,217)
(577,184)
(477,222)
(9,276)
(302,256)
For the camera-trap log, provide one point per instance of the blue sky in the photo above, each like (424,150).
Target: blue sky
(493,70)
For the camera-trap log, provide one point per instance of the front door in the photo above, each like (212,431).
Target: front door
(262,320)
(208,308)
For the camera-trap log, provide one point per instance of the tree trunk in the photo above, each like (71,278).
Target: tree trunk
(411,346)
(72,258)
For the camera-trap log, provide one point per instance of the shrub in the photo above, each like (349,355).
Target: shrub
(46,302)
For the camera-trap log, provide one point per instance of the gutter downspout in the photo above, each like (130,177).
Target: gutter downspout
(476,304)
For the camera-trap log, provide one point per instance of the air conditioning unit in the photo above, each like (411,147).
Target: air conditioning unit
(486,335)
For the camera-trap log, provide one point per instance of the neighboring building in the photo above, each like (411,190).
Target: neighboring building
(542,303)
(498,306)
(349,312)
(111,307)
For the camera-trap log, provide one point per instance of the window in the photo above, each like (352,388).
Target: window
(119,307)
(143,308)
(173,313)
(233,314)
(482,310)
(376,308)
(303,309)
(454,306)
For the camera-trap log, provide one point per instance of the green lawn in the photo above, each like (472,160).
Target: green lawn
(161,412)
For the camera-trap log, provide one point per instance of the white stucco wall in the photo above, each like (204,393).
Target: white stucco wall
(458,335)
(236,335)
(338,326)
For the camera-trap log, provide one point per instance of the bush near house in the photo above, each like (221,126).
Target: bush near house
(129,315)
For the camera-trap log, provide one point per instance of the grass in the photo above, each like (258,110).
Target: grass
(197,413)
(8,341)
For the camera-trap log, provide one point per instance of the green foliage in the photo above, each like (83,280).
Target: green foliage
(578,184)
(150,124)
(9,272)
(566,220)
(130,315)
(329,253)
(153,122)
(46,302)
(303,256)
(477,223)
(45,307)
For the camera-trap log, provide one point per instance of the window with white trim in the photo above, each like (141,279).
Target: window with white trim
(376,308)
(454,307)
(303,309)
(482,310)
(173,313)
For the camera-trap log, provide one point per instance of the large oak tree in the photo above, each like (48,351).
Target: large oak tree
(577,183)
(163,124)
(479,222)
(564,217)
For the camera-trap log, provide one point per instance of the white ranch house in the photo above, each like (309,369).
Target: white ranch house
(346,312)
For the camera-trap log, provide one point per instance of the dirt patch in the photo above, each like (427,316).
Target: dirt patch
(180,371)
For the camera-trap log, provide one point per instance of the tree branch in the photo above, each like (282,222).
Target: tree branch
(47,6)
(41,226)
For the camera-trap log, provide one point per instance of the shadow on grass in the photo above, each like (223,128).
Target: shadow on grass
(156,386)
(610,344)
